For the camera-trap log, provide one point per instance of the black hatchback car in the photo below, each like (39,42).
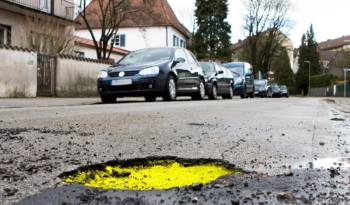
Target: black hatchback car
(218,80)
(244,78)
(153,72)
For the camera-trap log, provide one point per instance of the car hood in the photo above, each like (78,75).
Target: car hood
(135,67)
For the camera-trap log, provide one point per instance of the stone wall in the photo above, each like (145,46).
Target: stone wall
(77,77)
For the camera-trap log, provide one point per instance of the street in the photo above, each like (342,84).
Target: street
(292,150)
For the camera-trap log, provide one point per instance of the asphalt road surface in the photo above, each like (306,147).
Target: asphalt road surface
(293,150)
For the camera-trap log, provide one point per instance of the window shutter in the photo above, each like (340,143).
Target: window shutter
(122,40)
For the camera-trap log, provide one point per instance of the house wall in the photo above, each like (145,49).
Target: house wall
(64,9)
(18,73)
(77,78)
(171,33)
(91,53)
(141,37)
(17,23)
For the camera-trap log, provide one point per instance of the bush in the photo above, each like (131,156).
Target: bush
(326,80)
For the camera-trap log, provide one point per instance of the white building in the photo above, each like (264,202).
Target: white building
(85,48)
(154,27)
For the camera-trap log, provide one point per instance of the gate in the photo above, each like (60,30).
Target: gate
(46,75)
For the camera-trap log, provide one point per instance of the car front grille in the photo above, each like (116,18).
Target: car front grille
(127,74)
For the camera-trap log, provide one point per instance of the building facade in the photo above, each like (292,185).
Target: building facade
(17,18)
(144,30)
(85,48)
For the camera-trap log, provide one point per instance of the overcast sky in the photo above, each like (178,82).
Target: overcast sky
(331,18)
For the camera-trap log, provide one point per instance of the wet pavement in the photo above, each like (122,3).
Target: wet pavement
(293,150)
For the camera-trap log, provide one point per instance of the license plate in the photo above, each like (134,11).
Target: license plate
(121,82)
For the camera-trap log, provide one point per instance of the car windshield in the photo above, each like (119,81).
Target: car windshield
(260,83)
(147,56)
(208,68)
(236,68)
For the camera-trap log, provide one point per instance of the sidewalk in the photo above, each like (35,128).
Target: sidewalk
(45,102)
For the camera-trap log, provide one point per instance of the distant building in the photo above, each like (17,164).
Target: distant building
(331,53)
(238,49)
(155,27)
(14,16)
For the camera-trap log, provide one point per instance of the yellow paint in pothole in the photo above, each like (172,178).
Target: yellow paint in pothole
(155,175)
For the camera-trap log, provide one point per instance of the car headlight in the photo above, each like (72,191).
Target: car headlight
(150,71)
(103,74)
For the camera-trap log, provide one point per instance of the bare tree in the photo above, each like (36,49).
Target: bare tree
(49,35)
(110,14)
(265,22)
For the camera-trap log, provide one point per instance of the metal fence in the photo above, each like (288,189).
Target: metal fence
(332,91)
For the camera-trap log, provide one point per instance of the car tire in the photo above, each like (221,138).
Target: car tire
(150,98)
(200,95)
(230,95)
(108,99)
(170,90)
(244,93)
(214,93)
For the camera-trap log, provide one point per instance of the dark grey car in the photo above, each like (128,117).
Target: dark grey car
(218,80)
(153,72)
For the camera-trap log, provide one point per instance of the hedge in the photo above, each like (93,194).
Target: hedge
(325,80)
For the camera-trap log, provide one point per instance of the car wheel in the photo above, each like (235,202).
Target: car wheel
(269,94)
(108,99)
(170,92)
(150,98)
(200,95)
(244,93)
(214,93)
(230,95)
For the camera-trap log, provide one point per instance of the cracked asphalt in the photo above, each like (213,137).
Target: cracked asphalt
(294,150)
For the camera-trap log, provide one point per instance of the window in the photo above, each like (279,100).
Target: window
(5,35)
(179,53)
(79,54)
(44,5)
(175,41)
(182,43)
(120,40)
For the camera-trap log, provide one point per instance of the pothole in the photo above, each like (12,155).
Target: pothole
(150,173)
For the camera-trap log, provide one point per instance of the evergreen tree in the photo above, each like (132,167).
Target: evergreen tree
(283,73)
(307,53)
(212,38)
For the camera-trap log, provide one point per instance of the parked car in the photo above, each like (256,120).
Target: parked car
(261,88)
(284,91)
(274,91)
(244,78)
(218,80)
(153,72)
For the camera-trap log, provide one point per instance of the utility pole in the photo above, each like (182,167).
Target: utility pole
(308,62)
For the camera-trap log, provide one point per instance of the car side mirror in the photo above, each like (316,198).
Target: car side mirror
(179,60)
(220,72)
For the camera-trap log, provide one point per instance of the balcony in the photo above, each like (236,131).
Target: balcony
(64,9)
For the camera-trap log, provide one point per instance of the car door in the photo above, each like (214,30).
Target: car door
(183,71)
(220,80)
(249,77)
(196,69)
(228,79)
